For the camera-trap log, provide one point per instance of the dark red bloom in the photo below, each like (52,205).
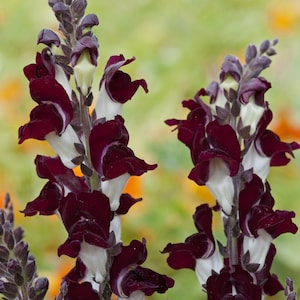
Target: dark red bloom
(256,211)
(62,180)
(198,245)
(109,152)
(86,217)
(237,285)
(118,84)
(127,276)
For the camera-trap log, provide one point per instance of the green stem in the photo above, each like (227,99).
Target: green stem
(95,183)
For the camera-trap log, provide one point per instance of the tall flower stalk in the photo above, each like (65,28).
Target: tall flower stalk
(95,139)
(232,151)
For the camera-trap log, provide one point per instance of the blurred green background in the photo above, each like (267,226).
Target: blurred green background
(179,48)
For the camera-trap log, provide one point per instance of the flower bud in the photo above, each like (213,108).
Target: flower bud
(84,72)
(250,114)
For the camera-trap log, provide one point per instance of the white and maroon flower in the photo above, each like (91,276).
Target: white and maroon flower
(198,252)
(116,88)
(232,284)
(61,181)
(86,217)
(50,119)
(267,150)
(259,223)
(114,161)
(215,151)
(128,280)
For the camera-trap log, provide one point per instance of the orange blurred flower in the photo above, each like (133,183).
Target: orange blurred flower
(284,18)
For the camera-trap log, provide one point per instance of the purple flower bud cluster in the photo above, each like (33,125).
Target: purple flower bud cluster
(90,133)
(18,277)
(232,151)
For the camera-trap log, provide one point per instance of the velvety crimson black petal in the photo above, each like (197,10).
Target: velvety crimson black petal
(118,84)
(191,131)
(184,255)
(274,222)
(181,255)
(251,194)
(86,217)
(125,272)
(47,202)
(133,254)
(119,159)
(102,135)
(47,90)
(44,119)
(272,147)
(267,199)
(220,286)
(145,280)
(53,169)
(44,66)
(203,220)
(220,142)
(243,283)
(126,201)
(122,88)
(81,291)
(224,142)
(200,173)
(77,273)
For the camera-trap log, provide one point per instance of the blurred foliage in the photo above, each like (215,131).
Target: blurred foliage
(179,48)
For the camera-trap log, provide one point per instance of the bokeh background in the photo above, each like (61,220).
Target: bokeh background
(179,47)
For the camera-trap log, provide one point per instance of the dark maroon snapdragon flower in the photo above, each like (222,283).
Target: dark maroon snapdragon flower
(237,284)
(198,252)
(53,113)
(86,217)
(128,277)
(109,152)
(116,88)
(61,181)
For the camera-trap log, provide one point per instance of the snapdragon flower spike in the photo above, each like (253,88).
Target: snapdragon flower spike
(131,281)
(198,252)
(116,88)
(232,151)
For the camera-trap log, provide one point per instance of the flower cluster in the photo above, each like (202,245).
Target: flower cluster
(18,277)
(232,151)
(93,138)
